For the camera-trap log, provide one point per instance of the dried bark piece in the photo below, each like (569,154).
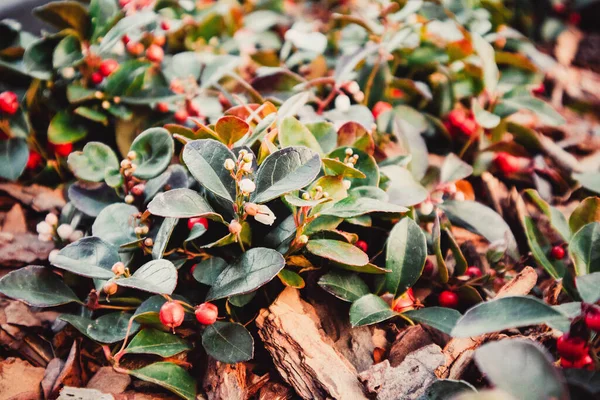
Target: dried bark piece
(412,339)
(40,198)
(22,249)
(275,391)
(225,381)
(407,381)
(459,351)
(303,354)
(109,381)
(72,393)
(14,220)
(19,379)
(71,373)
(51,375)
(21,314)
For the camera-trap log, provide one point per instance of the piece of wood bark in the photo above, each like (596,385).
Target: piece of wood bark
(109,381)
(18,250)
(14,220)
(275,391)
(72,393)
(225,381)
(303,354)
(38,197)
(20,380)
(412,339)
(407,381)
(459,351)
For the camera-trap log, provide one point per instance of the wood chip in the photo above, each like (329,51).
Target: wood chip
(225,381)
(38,197)
(14,220)
(72,393)
(20,380)
(23,249)
(109,381)
(303,354)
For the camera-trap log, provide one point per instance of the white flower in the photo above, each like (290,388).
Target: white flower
(247,167)
(346,184)
(43,228)
(342,103)
(68,72)
(64,231)
(248,157)
(459,196)
(229,164)
(235,227)
(353,87)
(51,219)
(426,207)
(265,215)
(76,235)
(359,96)
(52,254)
(247,186)
(44,237)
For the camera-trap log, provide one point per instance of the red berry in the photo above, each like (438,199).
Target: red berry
(197,220)
(592,319)
(162,107)
(97,78)
(405,302)
(572,348)
(165,25)
(125,39)
(107,67)
(207,313)
(62,150)
(9,102)
(380,107)
(474,272)
(574,18)
(193,109)
(361,244)
(584,362)
(559,8)
(507,163)
(135,48)
(457,117)
(138,189)
(171,314)
(539,90)
(469,126)
(155,53)
(428,268)
(448,299)
(34,160)
(557,252)
(397,93)
(123,3)
(181,116)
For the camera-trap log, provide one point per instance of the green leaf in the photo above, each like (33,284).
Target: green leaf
(336,167)
(325,133)
(406,252)
(91,257)
(37,286)
(441,318)
(484,118)
(14,154)
(535,379)
(454,169)
(284,171)
(37,58)
(231,129)
(344,285)
(587,211)
(338,251)
(557,218)
(250,271)
(369,309)
(491,74)
(205,158)
(115,224)
(365,164)
(291,279)
(260,130)
(162,237)
(402,188)
(127,79)
(180,203)
(228,342)
(505,313)
(67,53)
(547,114)
(103,13)
(589,180)
(154,150)
(92,114)
(153,341)
(446,389)
(541,247)
(128,24)
(65,128)
(584,247)
(170,376)
(109,328)
(92,201)
(64,15)
(482,220)
(436,234)
(93,161)
(588,287)
(156,276)
(353,206)
(208,271)
(293,133)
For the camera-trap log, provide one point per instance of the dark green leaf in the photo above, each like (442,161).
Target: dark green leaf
(92,201)
(284,171)
(67,52)
(443,319)
(127,24)
(156,276)
(180,203)
(584,247)
(587,211)
(557,218)
(37,286)
(252,270)
(103,13)
(109,328)
(541,247)
(505,313)
(91,257)
(154,149)
(162,237)
(405,256)
(208,271)
(344,285)
(65,128)
(115,224)
(153,341)
(93,161)
(65,14)
(128,79)
(365,164)
(170,376)
(353,206)
(338,251)
(13,157)
(228,342)
(369,309)
(446,389)
(588,287)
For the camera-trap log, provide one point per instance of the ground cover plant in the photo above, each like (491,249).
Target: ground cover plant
(280,199)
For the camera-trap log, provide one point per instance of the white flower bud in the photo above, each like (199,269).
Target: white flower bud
(235,227)
(248,157)
(251,208)
(303,239)
(342,103)
(53,254)
(75,236)
(346,184)
(349,151)
(118,268)
(43,228)
(459,196)
(64,231)
(51,219)
(265,215)
(44,237)
(353,87)
(68,72)
(129,199)
(247,186)
(359,96)
(426,207)
(132,155)
(306,196)
(126,164)
(229,164)
(247,167)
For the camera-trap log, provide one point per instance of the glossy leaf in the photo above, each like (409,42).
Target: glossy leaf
(338,251)
(13,157)
(91,257)
(93,161)
(284,171)
(115,224)
(37,286)
(65,128)
(541,247)
(154,150)
(291,279)
(406,251)
(170,376)
(584,247)
(441,318)
(557,218)
(65,14)
(231,129)
(91,201)
(251,270)
(353,206)
(228,342)
(208,271)
(369,309)
(344,285)
(153,341)
(109,328)
(588,287)
(587,211)
(162,237)
(156,276)
(294,133)
(180,203)
(454,169)
(446,389)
